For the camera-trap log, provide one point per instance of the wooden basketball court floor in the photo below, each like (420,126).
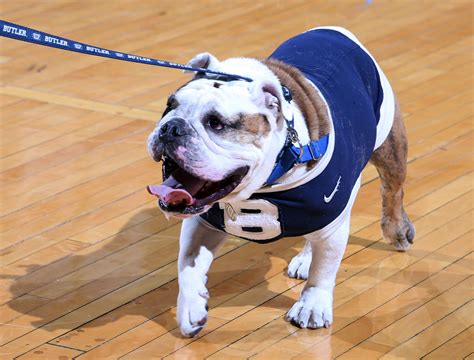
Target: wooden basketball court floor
(88,262)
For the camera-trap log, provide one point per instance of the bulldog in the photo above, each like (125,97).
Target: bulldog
(279,156)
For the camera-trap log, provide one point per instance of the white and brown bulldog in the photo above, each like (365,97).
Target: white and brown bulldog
(251,160)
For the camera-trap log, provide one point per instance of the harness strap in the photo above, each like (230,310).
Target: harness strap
(290,156)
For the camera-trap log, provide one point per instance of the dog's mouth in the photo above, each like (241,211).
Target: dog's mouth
(187,194)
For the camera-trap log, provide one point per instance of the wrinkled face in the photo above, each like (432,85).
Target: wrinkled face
(217,140)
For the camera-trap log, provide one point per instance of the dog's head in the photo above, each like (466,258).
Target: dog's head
(218,139)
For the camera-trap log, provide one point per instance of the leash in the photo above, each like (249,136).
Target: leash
(289,156)
(23,33)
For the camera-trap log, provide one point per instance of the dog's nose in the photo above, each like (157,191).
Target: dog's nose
(172,129)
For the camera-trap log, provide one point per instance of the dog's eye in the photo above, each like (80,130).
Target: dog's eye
(215,123)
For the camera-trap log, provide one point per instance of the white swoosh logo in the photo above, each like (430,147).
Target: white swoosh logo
(327,199)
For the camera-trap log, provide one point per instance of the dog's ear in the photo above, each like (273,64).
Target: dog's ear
(205,61)
(268,94)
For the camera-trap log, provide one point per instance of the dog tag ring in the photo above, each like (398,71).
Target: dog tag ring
(294,138)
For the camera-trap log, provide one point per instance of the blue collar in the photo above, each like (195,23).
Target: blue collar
(290,155)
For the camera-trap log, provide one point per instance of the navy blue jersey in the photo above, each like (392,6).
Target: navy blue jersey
(349,81)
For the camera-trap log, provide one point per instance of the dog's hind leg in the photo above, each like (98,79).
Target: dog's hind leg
(390,159)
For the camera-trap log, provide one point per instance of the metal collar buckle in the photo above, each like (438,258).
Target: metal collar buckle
(294,138)
(314,157)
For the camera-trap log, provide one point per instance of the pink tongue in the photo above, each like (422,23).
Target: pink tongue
(173,191)
(169,195)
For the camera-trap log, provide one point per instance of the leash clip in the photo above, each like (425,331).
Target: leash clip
(294,138)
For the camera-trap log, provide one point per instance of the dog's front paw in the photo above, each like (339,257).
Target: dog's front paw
(192,312)
(299,265)
(313,310)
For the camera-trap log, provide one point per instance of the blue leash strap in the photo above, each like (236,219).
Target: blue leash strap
(22,33)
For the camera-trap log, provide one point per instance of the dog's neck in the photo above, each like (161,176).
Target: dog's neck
(311,113)
(300,123)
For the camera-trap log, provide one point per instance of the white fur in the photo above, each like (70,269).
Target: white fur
(262,160)
(198,245)
(220,157)
(314,308)
(298,268)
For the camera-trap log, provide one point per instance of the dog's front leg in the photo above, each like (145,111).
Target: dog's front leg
(314,308)
(198,245)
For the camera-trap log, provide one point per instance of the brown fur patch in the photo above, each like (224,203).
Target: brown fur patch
(308,100)
(245,129)
(390,159)
(256,124)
